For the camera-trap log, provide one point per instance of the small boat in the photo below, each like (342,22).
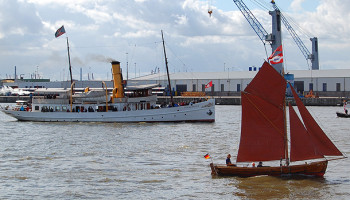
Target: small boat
(264,135)
(343,115)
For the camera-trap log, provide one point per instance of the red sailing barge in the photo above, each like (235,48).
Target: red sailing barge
(264,135)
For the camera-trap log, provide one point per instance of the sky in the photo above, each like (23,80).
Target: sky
(129,31)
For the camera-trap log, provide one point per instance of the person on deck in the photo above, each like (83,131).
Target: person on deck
(228,161)
(260,164)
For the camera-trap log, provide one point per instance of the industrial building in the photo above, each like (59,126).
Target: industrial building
(331,83)
(325,83)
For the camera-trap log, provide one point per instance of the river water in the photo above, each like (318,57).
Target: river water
(150,161)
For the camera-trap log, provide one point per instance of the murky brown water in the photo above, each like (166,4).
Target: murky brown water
(150,161)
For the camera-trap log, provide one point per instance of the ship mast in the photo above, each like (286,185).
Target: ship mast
(167,71)
(285,131)
(70,66)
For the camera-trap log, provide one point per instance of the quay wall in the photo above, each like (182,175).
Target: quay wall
(219,100)
(225,100)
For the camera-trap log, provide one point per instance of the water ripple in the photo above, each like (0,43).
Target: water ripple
(148,161)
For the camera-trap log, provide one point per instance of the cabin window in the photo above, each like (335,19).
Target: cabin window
(57,108)
(212,88)
(203,87)
(36,108)
(338,87)
(44,109)
(64,108)
(238,87)
(194,88)
(222,87)
(324,87)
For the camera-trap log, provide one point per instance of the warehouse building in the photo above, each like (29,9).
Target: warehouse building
(327,83)
(334,83)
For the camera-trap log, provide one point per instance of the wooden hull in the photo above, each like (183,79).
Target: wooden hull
(339,114)
(311,169)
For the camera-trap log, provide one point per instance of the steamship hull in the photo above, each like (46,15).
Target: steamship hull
(198,112)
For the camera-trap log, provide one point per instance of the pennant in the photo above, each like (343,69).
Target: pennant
(206,156)
(210,84)
(60,32)
(277,56)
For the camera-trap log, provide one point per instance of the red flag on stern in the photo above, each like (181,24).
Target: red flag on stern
(60,32)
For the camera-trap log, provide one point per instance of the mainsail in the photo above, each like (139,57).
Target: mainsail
(263,129)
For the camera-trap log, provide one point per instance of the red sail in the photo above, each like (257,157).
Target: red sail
(301,147)
(262,131)
(323,145)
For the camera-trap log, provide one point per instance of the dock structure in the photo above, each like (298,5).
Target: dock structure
(219,100)
(236,100)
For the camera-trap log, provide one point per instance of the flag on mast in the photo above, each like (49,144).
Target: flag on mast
(208,85)
(207,156)
(277,56)
(60,32)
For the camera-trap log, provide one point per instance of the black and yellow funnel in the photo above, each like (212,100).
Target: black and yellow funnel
(118,90)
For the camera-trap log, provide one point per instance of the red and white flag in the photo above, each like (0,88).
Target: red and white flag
(208,85)
(277,56)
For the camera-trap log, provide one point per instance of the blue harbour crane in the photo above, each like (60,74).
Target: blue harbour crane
(254,23)
(312,57)
(275,38)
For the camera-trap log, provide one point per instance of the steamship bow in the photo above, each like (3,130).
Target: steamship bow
(135,104)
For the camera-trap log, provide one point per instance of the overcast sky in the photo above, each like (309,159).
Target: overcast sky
(130,31)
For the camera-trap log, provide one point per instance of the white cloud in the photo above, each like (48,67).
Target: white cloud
(296,5)
(139,34)
(181,20)
(112,28)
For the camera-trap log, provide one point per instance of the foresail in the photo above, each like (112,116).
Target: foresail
(323,145)
(301,146)
(262,130)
